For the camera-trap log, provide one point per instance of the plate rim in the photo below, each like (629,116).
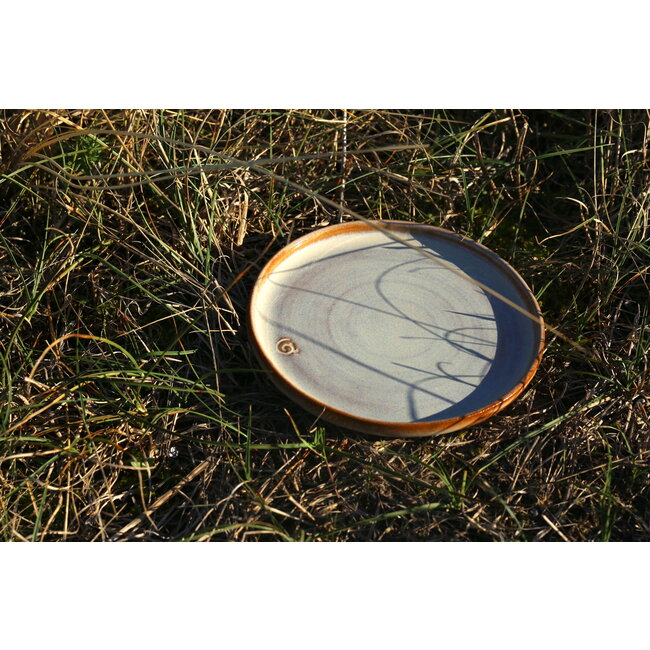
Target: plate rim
(383,427)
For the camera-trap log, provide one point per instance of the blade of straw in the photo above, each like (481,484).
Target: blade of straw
(258,166)
(391,235)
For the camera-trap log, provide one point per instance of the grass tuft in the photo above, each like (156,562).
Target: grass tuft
(131,407)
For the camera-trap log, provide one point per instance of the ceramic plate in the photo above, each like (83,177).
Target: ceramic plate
(369,334)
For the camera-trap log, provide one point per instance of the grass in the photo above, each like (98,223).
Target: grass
(131,407)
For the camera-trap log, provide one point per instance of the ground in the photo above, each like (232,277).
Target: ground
(131,404)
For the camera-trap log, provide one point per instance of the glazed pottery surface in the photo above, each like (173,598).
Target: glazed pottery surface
(371,334)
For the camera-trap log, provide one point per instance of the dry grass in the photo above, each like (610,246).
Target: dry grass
(131,407)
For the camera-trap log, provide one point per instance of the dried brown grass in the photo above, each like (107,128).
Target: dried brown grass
(131,407)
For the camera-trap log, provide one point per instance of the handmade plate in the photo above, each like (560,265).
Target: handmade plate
(368,333)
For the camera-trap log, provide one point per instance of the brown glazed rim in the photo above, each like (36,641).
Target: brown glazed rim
(380,427)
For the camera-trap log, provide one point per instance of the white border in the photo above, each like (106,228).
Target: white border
(291,54)
(382,595)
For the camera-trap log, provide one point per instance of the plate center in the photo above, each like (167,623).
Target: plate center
(383,333)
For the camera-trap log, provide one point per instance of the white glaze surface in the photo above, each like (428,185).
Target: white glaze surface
(369,327)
